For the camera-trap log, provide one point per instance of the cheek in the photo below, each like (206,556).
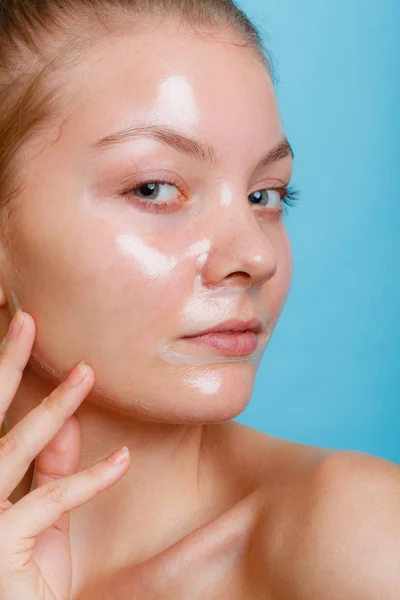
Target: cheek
(277,288)
(91,295)
(153,283)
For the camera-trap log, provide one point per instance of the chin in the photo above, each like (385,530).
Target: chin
(211,393)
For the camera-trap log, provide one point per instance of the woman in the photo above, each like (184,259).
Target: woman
(144,171)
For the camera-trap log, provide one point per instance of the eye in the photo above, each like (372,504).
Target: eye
(156,191)
(270,197)
(156,195)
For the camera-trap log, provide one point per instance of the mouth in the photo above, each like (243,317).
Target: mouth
(231,338)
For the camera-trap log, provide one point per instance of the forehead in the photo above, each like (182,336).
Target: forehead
(200,84)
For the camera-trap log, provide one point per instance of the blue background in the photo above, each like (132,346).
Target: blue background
(331,373)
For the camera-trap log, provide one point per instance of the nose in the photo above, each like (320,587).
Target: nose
(240,254)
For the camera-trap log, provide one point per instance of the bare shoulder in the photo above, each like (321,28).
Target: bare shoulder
(258,459)
(334,531)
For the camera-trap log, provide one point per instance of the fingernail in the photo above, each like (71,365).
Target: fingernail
(77,374)
(119,456)
(16,324)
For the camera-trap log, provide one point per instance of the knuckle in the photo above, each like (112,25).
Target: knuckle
(54,493)
(54,401)
(9,362)
(5,359)
(94,477)
(9,444)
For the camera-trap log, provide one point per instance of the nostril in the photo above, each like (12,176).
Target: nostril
(238,276)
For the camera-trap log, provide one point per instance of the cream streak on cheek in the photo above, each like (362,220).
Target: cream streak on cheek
(149,260)
(154,263)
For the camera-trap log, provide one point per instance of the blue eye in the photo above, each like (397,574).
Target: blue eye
(265,197)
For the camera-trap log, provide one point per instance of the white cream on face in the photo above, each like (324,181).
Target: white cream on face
(207,382)
(226,195)
(152,262)
(145,278)
(175,103)
(205,308)
(149,260)
(172,357)
(200,250)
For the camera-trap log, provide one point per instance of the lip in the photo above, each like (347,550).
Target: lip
(230,326)
(233,337)
(238,343)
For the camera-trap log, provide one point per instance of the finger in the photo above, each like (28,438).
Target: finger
(15,351)
(40,509)
(20,446)
(59,458)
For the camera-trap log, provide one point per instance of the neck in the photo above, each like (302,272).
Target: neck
(166,493)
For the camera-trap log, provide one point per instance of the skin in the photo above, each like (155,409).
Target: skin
(106,280)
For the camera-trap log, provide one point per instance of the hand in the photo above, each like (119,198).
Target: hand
(35,552)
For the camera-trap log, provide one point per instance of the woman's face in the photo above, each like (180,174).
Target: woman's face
(117,272)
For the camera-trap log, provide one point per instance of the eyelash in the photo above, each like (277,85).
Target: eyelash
(289,196)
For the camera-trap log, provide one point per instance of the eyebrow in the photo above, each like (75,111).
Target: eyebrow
(195,148)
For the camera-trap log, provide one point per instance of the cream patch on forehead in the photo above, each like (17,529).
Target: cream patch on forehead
(176,103)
